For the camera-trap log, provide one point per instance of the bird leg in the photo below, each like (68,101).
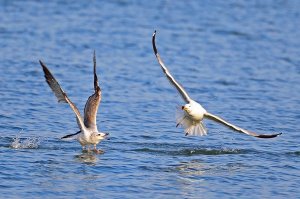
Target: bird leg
(88,149)
(97,151)
(84,149)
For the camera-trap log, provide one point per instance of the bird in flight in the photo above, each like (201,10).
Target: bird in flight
(192,115)
(88,134)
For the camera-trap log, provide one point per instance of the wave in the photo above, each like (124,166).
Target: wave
(195,151)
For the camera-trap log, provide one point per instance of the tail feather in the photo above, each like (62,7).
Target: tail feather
(196,129)
(191,127)
(70,136)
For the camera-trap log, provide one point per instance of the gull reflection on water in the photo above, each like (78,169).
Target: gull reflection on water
(194,167)
(199,176)
(89,158)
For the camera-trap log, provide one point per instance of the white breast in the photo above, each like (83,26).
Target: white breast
(197,111)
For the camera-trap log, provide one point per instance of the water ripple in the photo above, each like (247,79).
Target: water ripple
(240,59)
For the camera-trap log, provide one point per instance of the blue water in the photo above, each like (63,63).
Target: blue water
(239,59)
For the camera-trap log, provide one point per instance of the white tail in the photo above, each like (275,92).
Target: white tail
(197,129)
(191,127)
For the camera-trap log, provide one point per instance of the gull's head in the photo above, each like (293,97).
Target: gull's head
(187,108)
(102,136)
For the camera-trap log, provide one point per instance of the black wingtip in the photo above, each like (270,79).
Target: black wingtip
(268,136)
(153,42)
(96,87)
(94,61)
(42,64)
(94,58)
(45,69)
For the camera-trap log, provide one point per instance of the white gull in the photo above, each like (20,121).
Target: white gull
(88,134)
(191,118)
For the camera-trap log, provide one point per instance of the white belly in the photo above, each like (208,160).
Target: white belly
(83,140)
(197,112)
(87,138)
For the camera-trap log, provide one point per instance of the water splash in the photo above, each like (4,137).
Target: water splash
(25,143)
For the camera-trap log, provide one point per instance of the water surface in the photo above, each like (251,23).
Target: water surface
(240,60)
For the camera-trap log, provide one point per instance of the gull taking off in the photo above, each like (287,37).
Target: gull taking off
(191,118)
(88,134)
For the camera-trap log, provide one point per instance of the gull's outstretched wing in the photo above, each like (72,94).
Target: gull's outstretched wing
(60,94)
(220,120)
(180,89)
(92,104)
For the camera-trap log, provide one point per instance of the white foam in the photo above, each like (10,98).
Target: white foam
(25,143)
